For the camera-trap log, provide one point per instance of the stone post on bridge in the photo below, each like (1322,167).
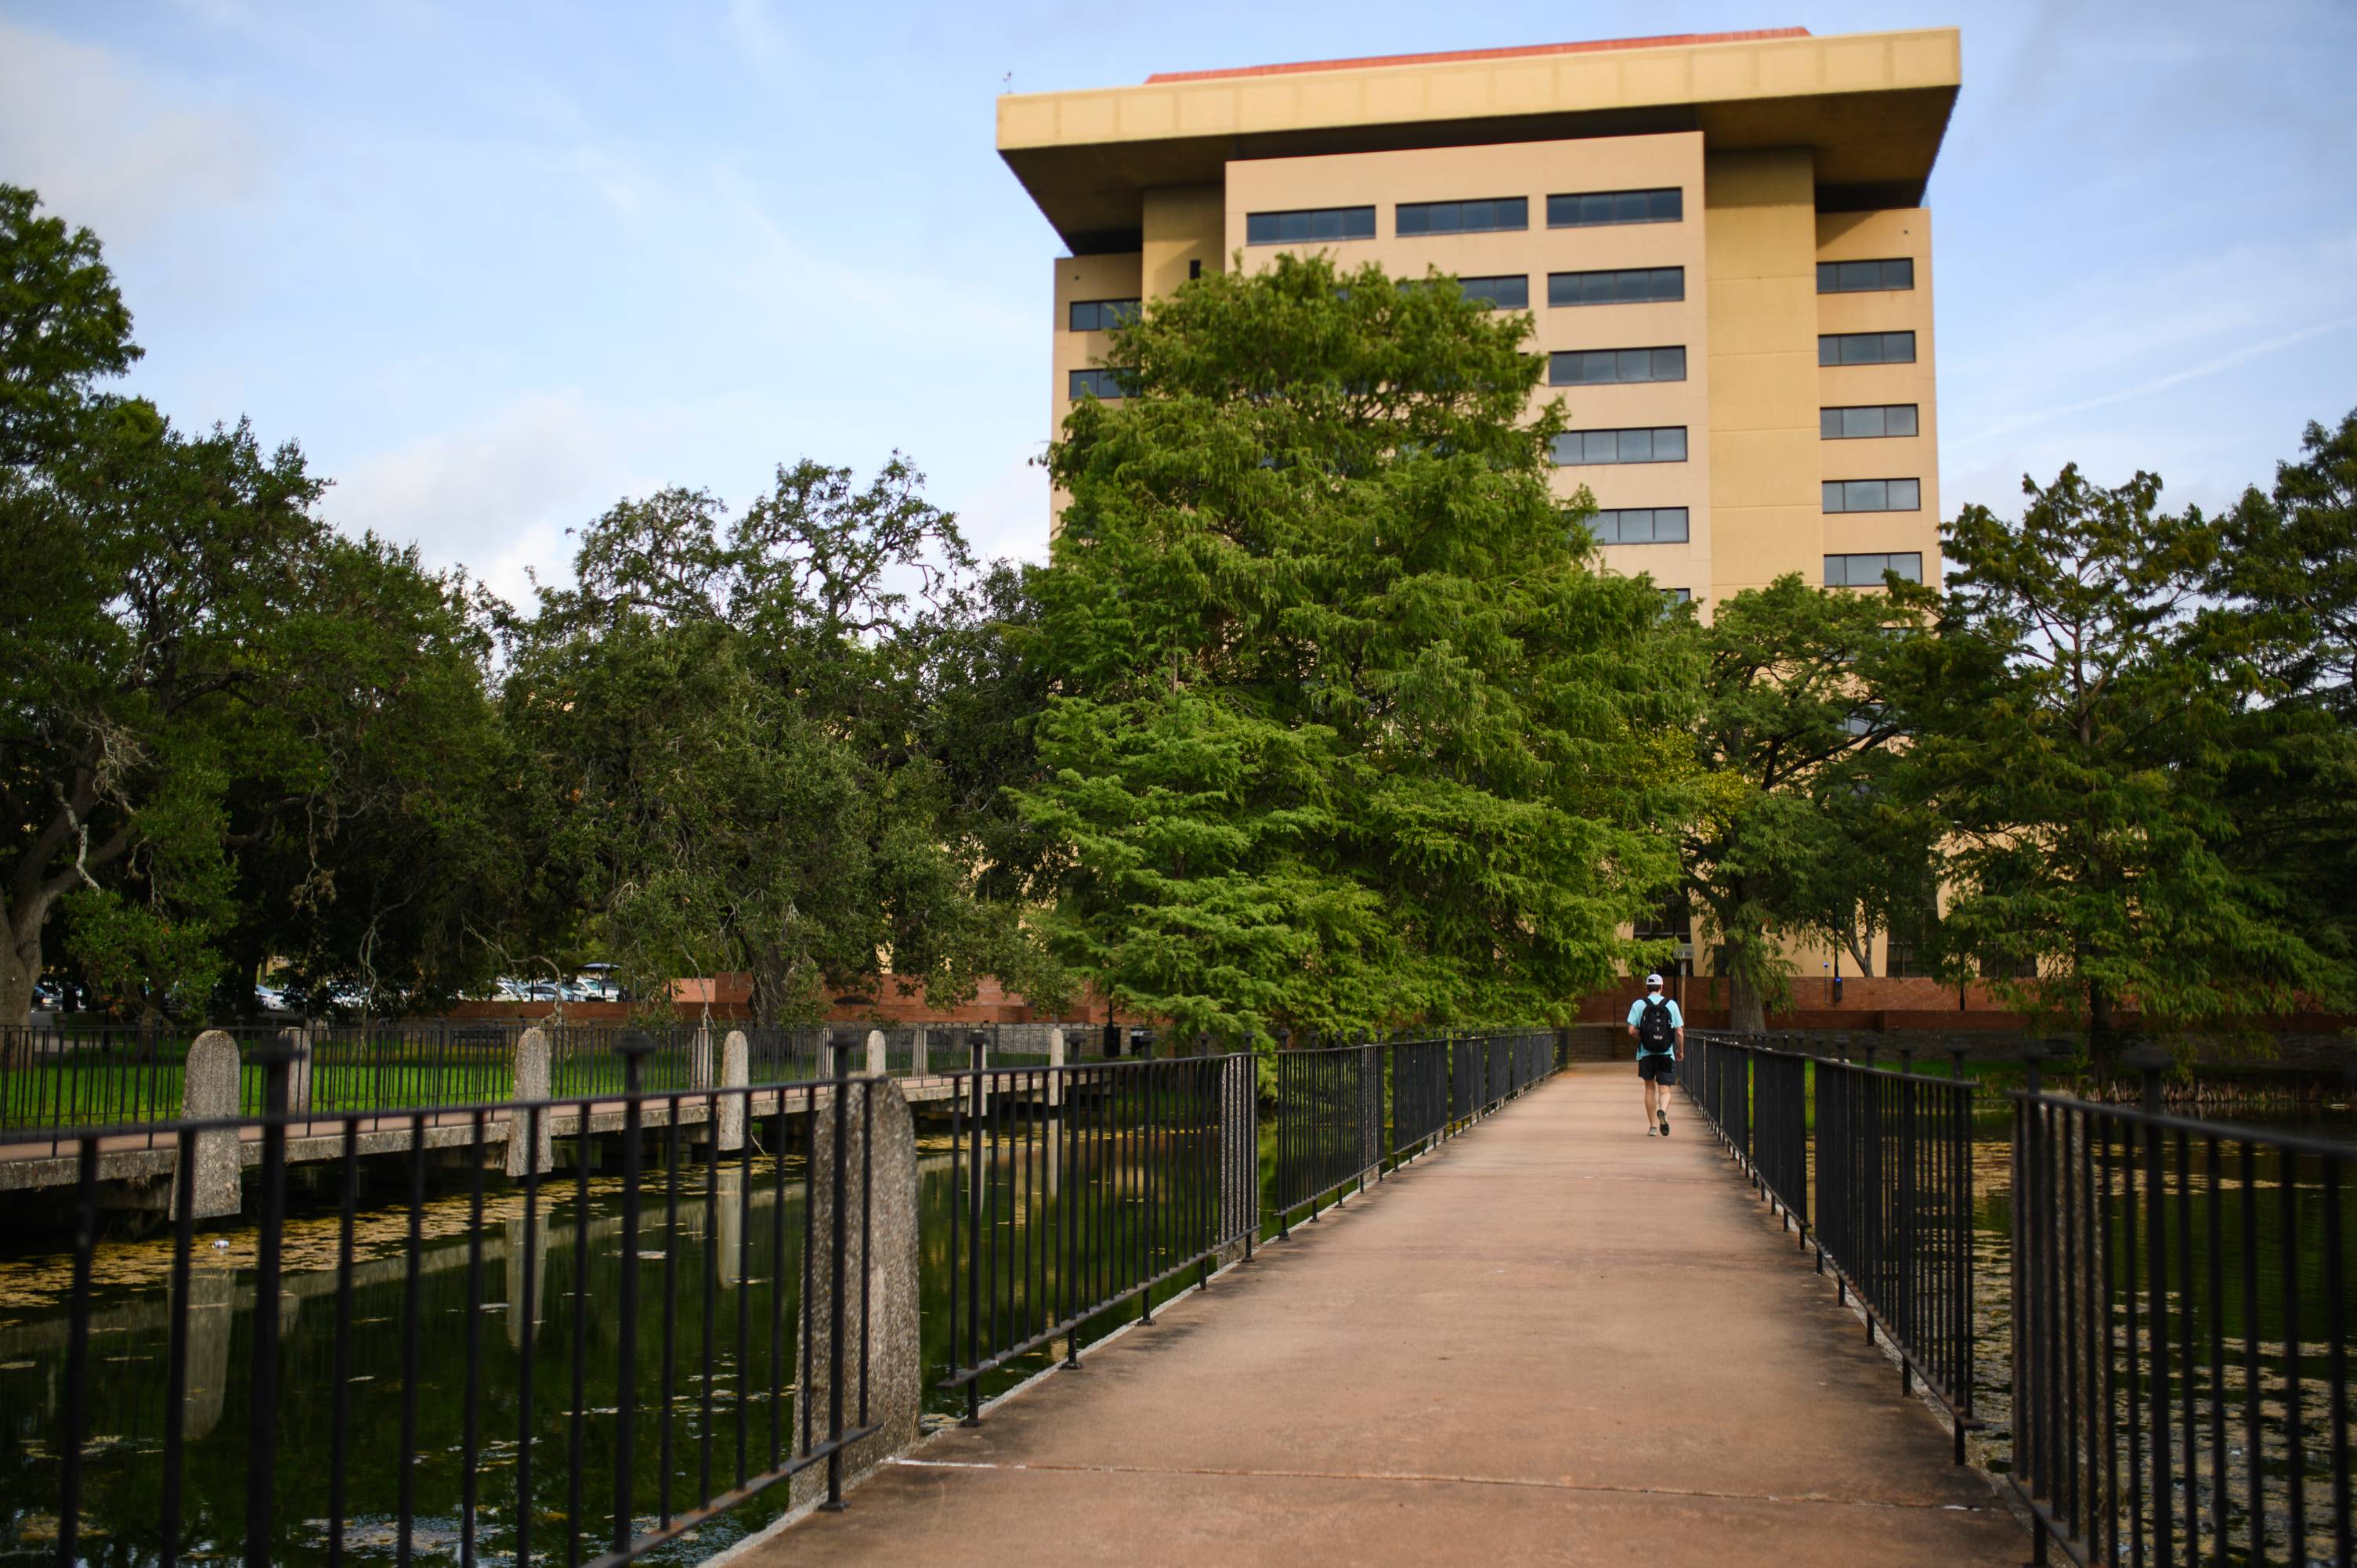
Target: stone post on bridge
(735,1071)
(1055,1060)
(209,1092)
(699,1057)
(297,1043)
(878,1053)
(879,1166)
(528,1154)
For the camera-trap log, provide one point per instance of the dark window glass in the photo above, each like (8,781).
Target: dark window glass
(1873,495)
(1640,525)
(1866,571)
(1664,444)
(1604,367)
(1899,418)
(1866,348)
(1678,595)
(1507,293)
(1864,277)
(1309,225)
(1591,209)
(1099,383)
(1462,216)
(1102,315)
(1633,285)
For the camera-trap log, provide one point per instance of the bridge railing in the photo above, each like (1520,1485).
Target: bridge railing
(2180,1336)
(691,1352)
(1076,1192)
(1875,1168)
(1344,1114)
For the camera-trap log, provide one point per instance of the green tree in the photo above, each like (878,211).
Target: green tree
(2285,583)
(1346,730)
(225,731)
(2076,747)
(1798,833)
(737,719)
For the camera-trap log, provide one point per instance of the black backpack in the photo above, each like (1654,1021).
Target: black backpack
(1653,1031)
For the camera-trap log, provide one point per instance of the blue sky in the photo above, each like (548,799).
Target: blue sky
(496,266)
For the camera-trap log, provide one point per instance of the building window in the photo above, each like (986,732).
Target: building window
(1864,277)
(1310,224)
(1677,595)
(1866,571)
(1874,495)
(1462,217)
(1194,268)
(1102,315)
(1859,424)
(1607,367)
(1634,285)
(1102,384)
(1640,525)
(1866,348)
(1590,209)
(1665,443)
(1508,293)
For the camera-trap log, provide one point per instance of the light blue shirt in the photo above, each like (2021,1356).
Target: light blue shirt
(1637,1015)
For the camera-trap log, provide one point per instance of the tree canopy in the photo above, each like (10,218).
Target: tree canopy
(1346,730)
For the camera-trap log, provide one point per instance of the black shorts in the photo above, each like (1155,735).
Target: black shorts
(1657,1067)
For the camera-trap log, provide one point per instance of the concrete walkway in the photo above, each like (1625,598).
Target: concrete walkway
(1556,1342)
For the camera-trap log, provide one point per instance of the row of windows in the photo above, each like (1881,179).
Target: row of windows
(1864,277)
(1460,217)
(1640,525)
(1577,209)
(1866,348)
(1871,420)
(1512,293)
(1309,223)
(1866,571)
(1662,443)
(1874,495)
(1104,384)
(1594,209)
(1102,315)
(1605,367)
(1630,285)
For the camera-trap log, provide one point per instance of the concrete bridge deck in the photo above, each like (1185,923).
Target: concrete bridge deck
(1556,1340)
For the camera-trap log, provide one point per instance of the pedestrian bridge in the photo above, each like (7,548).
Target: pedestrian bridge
(1440,1299)
(1555,1340)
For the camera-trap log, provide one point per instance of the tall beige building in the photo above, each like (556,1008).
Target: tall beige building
(1721,239)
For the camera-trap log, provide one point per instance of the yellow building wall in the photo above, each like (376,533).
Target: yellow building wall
(1761,243)
(1874,236)
(1536,170)
(1184,224)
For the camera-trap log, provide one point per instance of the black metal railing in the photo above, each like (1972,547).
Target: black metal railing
(2180,1336)
(1894,1218)
(1346,1113)
(1077,1192)
(647,1391)
(1888,1155)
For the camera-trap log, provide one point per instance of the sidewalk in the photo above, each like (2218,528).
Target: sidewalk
(1556,1342)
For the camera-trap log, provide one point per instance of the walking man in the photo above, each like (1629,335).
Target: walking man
(1660,1031)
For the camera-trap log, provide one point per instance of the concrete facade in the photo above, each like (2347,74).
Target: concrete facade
(1788,152)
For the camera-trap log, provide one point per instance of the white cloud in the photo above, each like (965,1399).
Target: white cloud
(496,494)
(111,147)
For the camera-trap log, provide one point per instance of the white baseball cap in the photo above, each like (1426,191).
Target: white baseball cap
(1653,980)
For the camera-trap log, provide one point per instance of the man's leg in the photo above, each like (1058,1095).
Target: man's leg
(1649,1088)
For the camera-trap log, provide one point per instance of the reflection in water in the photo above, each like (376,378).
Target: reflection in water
(735,1265)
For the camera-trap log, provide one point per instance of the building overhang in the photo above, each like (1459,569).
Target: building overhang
(1873,108)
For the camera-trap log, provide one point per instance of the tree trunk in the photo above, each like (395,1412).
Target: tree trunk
(20,966)
(1747,1009)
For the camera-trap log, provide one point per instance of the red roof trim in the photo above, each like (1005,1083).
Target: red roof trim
(1664,41)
